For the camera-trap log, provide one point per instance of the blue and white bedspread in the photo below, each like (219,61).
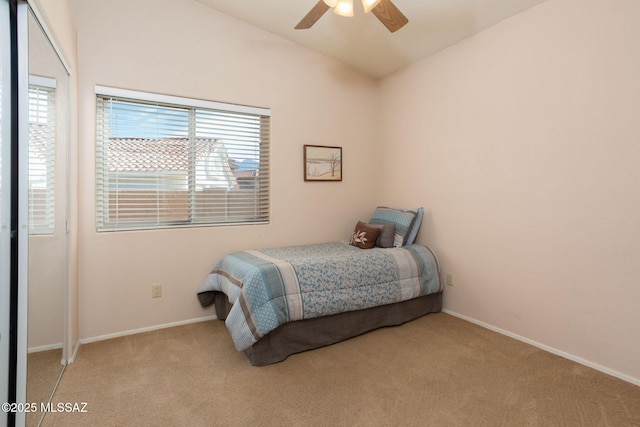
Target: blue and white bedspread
(270,287)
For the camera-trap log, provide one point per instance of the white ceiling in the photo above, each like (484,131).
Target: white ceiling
(362,41)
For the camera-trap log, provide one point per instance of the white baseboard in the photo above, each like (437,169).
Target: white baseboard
(75,354)
(44,348)
(141,330)
(555,351)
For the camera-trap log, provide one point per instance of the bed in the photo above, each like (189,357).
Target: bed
(281,301)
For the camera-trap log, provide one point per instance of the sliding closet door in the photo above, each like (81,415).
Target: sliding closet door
(14,232)
(5,199)
(48,96)
(33,190)
(20,220)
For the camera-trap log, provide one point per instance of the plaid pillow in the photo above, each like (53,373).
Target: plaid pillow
(403,219)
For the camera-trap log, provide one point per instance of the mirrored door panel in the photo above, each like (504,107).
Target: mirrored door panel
(47,212)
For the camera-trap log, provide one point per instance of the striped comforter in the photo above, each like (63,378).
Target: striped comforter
(270,287)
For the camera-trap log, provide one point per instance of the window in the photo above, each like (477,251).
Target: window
(42,154)
(164,161)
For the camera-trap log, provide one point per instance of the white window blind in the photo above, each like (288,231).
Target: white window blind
(165,162)
(42,152)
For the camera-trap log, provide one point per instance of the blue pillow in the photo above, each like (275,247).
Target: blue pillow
(406,221)
(413,233)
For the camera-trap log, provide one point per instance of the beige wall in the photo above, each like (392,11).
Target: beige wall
(180,47)
(523,144)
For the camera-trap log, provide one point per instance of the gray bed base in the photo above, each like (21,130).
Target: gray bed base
(307,334)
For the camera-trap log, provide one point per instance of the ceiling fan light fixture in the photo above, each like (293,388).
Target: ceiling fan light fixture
(369,4)
(384,10)
(344,8)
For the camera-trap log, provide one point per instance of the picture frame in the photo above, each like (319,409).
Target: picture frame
(322,163)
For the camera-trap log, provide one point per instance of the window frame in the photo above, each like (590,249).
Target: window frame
(258,198)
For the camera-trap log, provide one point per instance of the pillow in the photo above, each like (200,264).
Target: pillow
(364,236)
(406,222)
(413,233)
(387,234)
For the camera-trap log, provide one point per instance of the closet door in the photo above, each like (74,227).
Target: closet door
(20,210)
(14,231)
(48,85)
(33,191)
(5,203)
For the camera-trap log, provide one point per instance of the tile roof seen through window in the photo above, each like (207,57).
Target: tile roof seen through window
(152,155)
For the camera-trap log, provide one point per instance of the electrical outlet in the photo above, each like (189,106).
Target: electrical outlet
(156,290)
(450,279)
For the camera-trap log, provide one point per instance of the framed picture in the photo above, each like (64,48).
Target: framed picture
(322,163)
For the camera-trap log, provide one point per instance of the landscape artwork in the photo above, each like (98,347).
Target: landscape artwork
(322,163)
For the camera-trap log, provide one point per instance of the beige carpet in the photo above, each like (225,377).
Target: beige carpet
(435,371)
(43,370)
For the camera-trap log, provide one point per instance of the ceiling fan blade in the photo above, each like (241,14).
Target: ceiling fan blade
(390,15)
(314,14)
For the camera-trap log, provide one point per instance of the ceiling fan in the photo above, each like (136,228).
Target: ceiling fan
(384,10)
